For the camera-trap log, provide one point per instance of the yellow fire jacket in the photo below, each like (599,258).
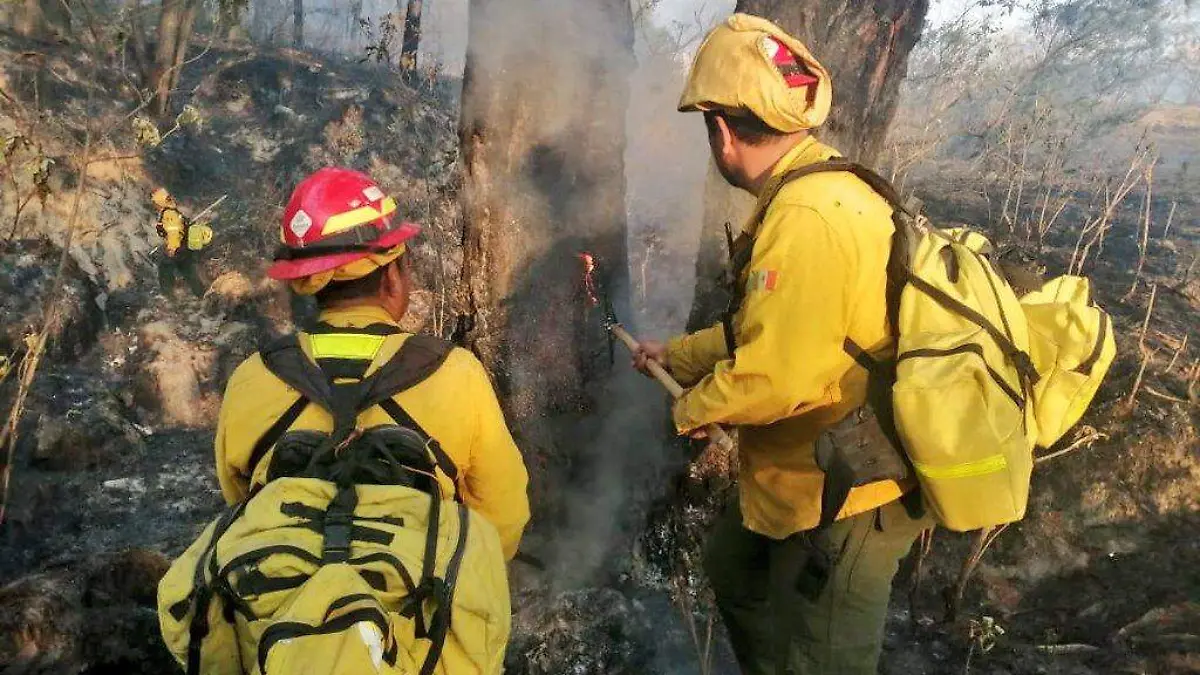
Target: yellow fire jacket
(172,228)
(456,405)
(817,275)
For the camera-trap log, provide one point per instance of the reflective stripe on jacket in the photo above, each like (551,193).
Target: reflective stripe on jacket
(817,275)
(456,405)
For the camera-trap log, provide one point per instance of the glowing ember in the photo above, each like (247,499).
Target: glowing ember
(589,278)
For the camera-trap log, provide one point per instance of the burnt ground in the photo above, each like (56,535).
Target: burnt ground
(113,472)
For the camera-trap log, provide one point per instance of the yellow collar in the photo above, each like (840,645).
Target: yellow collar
(807,151)
(356,317)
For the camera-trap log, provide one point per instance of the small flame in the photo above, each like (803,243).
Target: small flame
(589,277)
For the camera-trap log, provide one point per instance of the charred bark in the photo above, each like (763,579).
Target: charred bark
(542,133)
(865,46)
(43,19)
(412,40)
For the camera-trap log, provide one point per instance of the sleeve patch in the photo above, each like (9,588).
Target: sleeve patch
(762,280)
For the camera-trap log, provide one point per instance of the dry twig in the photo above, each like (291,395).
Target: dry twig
(1179,350)
(981,540)
(1086,436)
(1144,242)
(1147,355)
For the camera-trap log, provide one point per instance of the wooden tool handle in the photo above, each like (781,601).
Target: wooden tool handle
(716,434)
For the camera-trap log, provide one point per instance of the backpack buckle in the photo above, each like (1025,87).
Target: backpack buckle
(338,526)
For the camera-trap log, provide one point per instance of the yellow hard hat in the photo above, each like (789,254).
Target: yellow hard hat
(163,199)
(750,64)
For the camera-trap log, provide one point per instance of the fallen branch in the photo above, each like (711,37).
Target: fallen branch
(1175,357)
(1170,217)
(1073,648)
(1087,436)
(1154,392)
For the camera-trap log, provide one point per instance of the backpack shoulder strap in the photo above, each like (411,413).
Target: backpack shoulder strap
(284,358)
(742,248)
(287,361)
(418,358)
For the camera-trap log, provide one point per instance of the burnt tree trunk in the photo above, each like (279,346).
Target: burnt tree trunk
(865,45)
(412,40)
(43,19)
(543,137)
(175,24)
(298,24)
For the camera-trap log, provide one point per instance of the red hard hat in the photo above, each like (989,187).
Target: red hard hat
(335,217)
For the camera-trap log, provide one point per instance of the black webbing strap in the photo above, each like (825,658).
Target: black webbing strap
(287,630)
(203,591)
(254,582)
(430,585)
(338,526)
(440,623)
(1019,359)
(400,416)
(1085,367)
(286,360)
(418,358)
(272,435)
(344,369)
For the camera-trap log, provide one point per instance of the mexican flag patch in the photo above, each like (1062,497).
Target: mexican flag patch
(762,280)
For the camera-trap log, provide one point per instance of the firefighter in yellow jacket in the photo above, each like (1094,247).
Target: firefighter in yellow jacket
(360,283)
(183,240)
(814,277)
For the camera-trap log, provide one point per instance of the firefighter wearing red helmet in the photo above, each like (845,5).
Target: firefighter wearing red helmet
(343,243)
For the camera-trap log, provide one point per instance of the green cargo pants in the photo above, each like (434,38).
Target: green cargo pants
(792,611)
(183,267)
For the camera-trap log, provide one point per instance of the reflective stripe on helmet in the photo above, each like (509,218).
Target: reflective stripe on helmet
(359,216)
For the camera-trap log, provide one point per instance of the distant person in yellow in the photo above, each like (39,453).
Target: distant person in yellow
(810,277)
(353,261)
(182,242)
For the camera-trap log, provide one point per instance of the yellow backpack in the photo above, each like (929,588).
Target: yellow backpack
(979,377)
(348,560)
(1072,345)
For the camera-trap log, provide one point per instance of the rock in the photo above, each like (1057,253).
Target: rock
(39,623)
(286,115)
(81,426)
(27,276)
(134,486)
(99,614)
(227,292)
